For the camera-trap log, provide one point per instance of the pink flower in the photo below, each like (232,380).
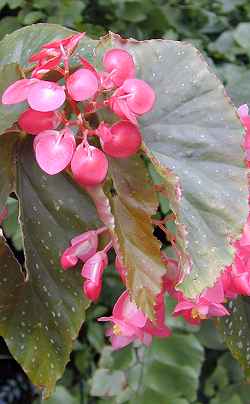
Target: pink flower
(158,329)
(82,248)
(54,150)
(92,271)
(121,140)
(207,305)
(41,95)
(34,122)
(51,54)
(134,98)
(82,84)
(120,66)
(89,165)
(128,322)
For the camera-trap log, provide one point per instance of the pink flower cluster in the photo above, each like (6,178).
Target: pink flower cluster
(129,322)
(59,112)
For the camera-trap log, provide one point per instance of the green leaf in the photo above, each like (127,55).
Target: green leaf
(7,162)
(242,35)
(62,396)
(133,202)
(165,373)
(8,113)
(235,331)
(185,136)
(41,313)
(11,225)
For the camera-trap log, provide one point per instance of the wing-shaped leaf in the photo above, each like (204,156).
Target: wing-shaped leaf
(235,331)
(46,309)
(193,132)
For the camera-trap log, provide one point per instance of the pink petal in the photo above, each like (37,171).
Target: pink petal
(68,260)
(18,91)
(92,290)
(89,165)
(124,309)
(215,294)
(82,84)
(54,150)
(120,341)
(34,122)
(46,96)
(142,96)
(94,267)
(243,110)
(120,64)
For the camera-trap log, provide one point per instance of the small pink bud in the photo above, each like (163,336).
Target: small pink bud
(82,248)
(82,84)
(125,140)
(34,122)
(68,260)
(120,64)
(91,290)
(89,165)
(92,271)
(54,150)
(45,96)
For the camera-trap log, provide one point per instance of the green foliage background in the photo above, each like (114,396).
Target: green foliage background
(221,30)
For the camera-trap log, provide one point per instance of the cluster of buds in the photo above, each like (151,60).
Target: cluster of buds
(58,112)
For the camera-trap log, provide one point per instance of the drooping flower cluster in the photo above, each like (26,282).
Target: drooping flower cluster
(59,112)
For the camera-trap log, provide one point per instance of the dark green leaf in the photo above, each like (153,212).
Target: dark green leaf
(7,166)
(41,315)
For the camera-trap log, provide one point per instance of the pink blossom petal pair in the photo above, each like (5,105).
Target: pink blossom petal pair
(89,165)
(41,95)
(54,150)
(119,64)
(82,84)
(18,91)
(121,140)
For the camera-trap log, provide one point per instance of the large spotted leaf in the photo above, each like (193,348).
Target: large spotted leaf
(235,331)
(193,132)
(41,310)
